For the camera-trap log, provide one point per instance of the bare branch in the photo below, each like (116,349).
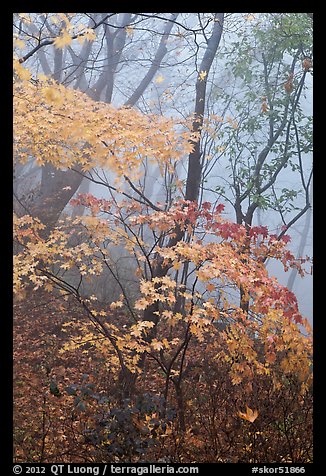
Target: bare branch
(50,42)
(160,53)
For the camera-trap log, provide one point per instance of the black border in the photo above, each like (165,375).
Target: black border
(6,446)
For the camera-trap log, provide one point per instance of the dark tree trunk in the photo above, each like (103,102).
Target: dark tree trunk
(57,188)
(194,162)
(181,406)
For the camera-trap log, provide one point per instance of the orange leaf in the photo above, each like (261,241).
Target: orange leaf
(250,414)
(210,287)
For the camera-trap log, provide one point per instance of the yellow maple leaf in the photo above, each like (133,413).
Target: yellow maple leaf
(249,17)
(19,43)
(23,73)
(157,345)
(202,75)
(63,40)
(129,30)
(89,34)
(141,304)
(250,414)
(177,265)
(159,79)
(116,304)
(52,95)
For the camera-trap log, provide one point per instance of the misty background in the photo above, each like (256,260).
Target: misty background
(152,62)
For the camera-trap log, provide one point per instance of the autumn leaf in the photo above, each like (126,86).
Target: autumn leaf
(23,73)
(250,414)
(116,304)
(202,75)
(307,63)
(19,43)
(288,85)
(249,17)
(177,265)
(129,30)
(63,40)
(210,287)
(264,107)
(159,79)
(157,345)
(52,95)
(89,34)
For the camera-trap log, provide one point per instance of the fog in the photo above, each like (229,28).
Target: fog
(153,66)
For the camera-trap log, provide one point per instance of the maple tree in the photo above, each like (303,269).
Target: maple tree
(204,299)
(119,35)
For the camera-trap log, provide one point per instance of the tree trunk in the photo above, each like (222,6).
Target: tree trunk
(181,406)
(193,179)
(57,188)
(194,162)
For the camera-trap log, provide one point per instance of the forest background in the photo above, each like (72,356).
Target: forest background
(162,285)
